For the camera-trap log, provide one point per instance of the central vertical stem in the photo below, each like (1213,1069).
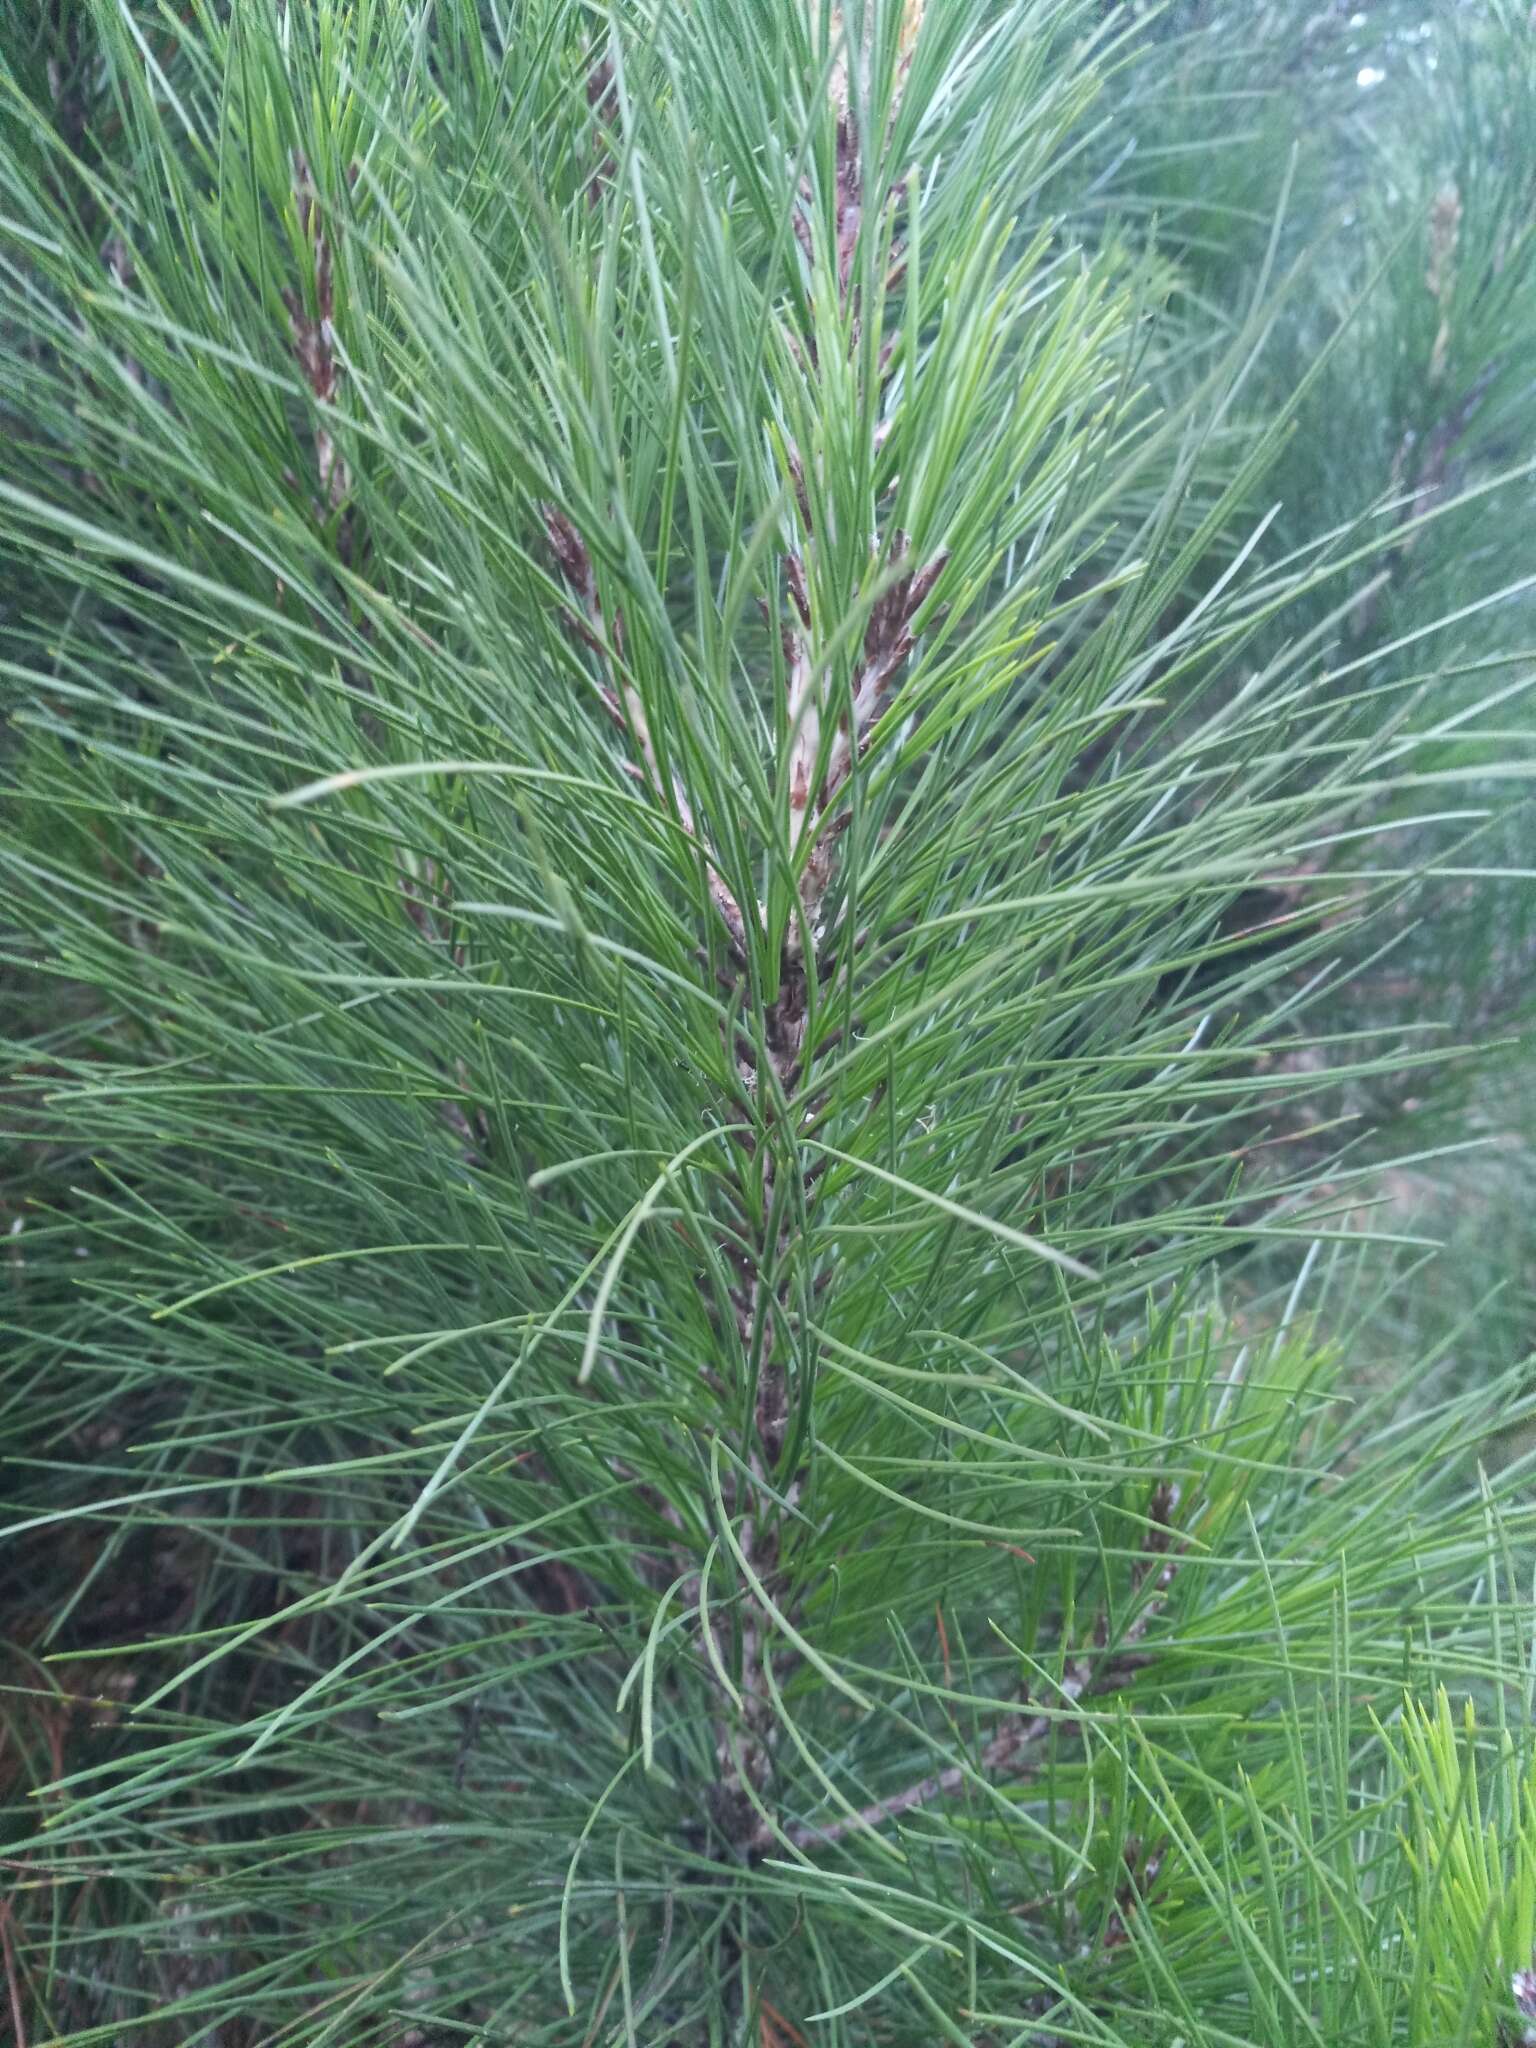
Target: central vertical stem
(762,1328)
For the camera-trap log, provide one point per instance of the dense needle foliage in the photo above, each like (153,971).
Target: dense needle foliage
(698,775)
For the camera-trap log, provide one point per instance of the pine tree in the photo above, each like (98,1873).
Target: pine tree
(697,814)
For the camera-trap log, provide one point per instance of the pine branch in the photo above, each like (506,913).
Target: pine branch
(654,1125)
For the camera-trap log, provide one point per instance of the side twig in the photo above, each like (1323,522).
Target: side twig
(1012,1749)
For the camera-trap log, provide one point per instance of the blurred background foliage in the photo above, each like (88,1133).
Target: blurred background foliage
(1374,165)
